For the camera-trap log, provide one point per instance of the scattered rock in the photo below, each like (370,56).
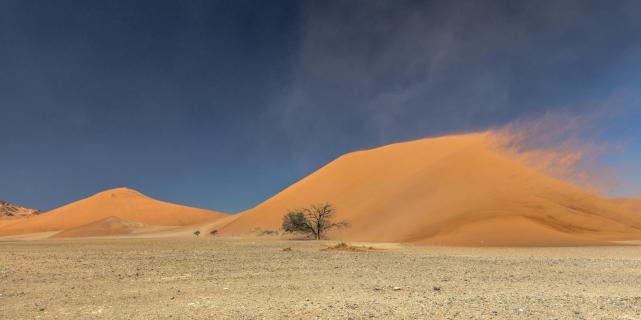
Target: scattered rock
(11,210)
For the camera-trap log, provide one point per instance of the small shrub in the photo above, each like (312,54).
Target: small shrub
(266,233)
(213,232)
(197,233)
(341,245)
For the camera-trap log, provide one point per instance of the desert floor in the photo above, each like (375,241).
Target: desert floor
(209,278)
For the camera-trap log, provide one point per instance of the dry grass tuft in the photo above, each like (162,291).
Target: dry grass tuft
(342,246)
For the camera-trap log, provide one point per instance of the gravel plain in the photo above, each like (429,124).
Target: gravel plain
(210,278)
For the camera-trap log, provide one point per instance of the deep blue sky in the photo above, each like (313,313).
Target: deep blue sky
(221,104)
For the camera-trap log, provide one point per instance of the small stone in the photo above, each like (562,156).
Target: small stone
(396,288)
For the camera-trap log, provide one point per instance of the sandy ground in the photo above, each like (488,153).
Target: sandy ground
(208,278)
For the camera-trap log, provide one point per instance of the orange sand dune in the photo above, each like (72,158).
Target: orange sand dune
(120,203)
(455,190)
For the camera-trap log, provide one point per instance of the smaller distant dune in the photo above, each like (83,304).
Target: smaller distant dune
(111,212)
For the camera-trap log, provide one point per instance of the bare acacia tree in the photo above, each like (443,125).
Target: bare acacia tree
(315,220)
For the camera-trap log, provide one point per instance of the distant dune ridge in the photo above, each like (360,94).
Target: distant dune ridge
(122,203)
(10,210)
(455,190)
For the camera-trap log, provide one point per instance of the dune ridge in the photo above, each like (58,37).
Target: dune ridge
(453,190)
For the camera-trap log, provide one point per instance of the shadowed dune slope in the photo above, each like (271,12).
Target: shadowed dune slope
(454,190)
(121,203)
(106,227)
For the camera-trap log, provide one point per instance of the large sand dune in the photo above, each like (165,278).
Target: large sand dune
(122,204)
(455,190)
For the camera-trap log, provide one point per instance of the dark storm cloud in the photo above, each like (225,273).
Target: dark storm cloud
(146,94)
(379,71)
